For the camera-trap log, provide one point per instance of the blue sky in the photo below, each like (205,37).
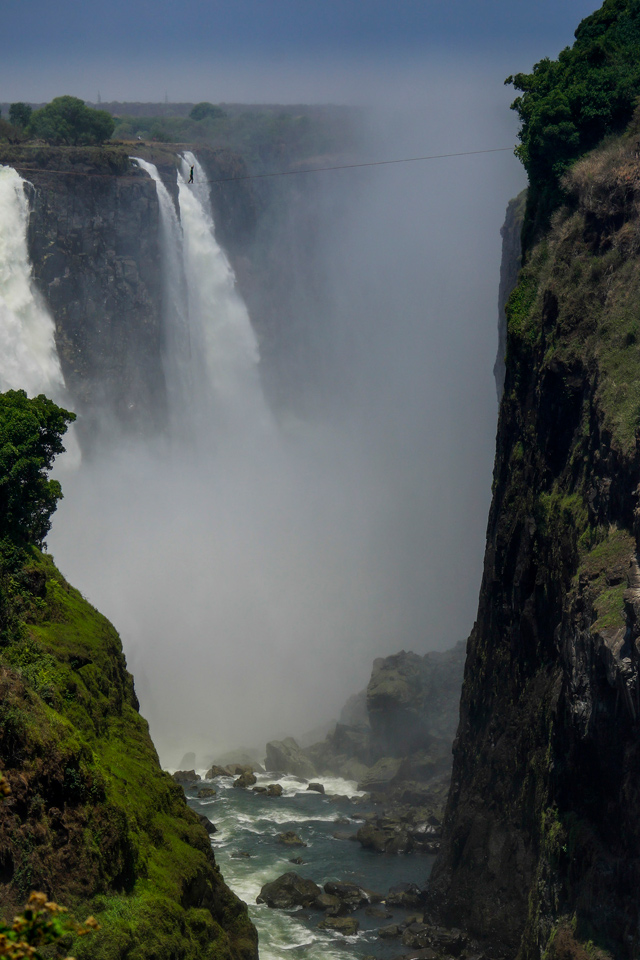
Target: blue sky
(262,49)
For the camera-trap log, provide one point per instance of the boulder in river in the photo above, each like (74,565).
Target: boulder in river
(288,891)
(347,926)
(186,776)
(318,787)
(245,780)
(216,771)
(286,756)
(274,790)
(205,792)
(290,839)
(350,895)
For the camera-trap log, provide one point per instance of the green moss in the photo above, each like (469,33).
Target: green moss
(73,742)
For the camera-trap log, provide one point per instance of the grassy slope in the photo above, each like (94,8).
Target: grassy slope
(93,821)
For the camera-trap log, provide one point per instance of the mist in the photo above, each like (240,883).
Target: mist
(255,572)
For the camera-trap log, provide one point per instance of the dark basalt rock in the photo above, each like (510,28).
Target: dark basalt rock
(290,839)
(206,792)
(289,891)
(317,787)
(186,776)
(347,926)
(216,771)
(206,823)
(274,790)
(245,780)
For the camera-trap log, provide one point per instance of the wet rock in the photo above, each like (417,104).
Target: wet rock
(288,891)
(290,839)
(344,835)
(351,896)
(245,780)
(206,792)
(286,756)
(378,913)
(216,771)
(206,823)
(186,776)
(450,942)
(387,838)
(274,790)
(326,902)
(406,895)
(240,855)
(259,790)
(387,933)
(297,860)
(318,787)
(347,926)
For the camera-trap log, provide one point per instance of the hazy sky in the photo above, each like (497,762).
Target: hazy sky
(251,49)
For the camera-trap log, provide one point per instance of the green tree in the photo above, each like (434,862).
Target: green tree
(20,114)
(67,120)
(30,438)
(567,106)
(206,110)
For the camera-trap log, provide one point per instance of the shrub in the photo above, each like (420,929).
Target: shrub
(67,120)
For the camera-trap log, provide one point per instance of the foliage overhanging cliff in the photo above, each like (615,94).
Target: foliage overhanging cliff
(92,820)
(541,849)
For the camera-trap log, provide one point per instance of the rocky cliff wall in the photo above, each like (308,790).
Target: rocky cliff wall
(95,248)
(541,845)
(509,269)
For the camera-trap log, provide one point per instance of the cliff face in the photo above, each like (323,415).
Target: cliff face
(92,820)
(541,846)
(509,269)
(94,243)
(405,731)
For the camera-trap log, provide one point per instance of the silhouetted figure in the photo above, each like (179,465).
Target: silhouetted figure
(191,175)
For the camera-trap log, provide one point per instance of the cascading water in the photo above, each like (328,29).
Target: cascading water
(211,351)
(28,357)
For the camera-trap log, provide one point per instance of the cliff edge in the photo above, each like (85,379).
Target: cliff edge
(92,820)
(541,844)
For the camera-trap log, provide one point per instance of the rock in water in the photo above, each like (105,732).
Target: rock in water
(245,780)
(285,756)
(288,891)
(186,776)
(347,926)
(290,839)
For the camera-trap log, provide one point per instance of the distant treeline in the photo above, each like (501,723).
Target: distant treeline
(268,136)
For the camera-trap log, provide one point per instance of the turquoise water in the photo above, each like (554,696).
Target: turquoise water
(249,823)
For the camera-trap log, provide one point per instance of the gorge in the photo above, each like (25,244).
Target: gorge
(272,532)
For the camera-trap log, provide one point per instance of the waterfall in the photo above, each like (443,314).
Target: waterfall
(28,357)
(211,350)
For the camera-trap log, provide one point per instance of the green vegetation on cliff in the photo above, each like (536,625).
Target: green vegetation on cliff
(541,845)
(567,106)
(67,120)
(92,820)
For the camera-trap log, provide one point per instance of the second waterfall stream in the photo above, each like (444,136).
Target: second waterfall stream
(211,350)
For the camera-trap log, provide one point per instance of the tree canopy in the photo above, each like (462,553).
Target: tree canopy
(68,120)
(31,434)
(205,110)
(20,114)
(567,106)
